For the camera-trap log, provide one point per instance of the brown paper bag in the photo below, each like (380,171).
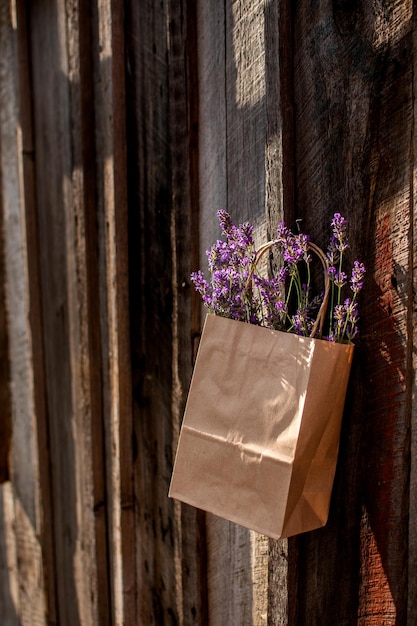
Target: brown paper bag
(260,435)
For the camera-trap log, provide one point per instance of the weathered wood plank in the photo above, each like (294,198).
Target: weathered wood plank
(412,363)
(212,120)
(54,36)
(9,588)
(82,52)
(50,92)
(21,503)
(353,99)
(23,453)
(5,397)
(114,312)
(121,298)
(228,545)
(279,205)
(35,312)
(190,548)
(245,83)
(152,229)
(241,155)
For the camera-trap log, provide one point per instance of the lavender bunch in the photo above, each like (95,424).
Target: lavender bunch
(283,302)
(229,264)
(343,316)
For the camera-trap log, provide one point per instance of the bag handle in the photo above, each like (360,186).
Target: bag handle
(318,324)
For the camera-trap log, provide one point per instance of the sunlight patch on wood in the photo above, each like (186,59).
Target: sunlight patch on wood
(249,52)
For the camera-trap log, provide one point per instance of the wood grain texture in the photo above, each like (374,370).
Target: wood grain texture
(354,120)
(158,578)
(183,87)
(212,121)
(21,503)
(230,119)
(412,364)
(55,46)
(160,239)
(124,128)
(241,135)
(5,396)
(35,312)
(9,588)
(279,205)
(108,54)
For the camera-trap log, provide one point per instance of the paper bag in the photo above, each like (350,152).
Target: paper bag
(260,435)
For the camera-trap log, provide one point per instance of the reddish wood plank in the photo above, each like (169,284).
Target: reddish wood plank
(353,99)
(412,366)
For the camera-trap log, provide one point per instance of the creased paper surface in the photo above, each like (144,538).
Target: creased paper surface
(260,432)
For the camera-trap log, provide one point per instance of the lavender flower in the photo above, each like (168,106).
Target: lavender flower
(302,324)
(294,248)
(339,279)
(345,321)
(339,236)
(272,301)
(284,301)
(356,280)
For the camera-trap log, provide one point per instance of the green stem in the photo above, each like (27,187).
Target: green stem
(308,283)
(331,308)
(339,294)
(347,319)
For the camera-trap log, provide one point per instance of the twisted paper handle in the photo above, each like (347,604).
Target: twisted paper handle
(318,324)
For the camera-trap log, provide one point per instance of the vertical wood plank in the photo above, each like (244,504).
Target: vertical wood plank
(353,98)
(5,396)
(84,140)
(35,312)
(279,205)
(114,307)
(51,111)
(245,83)
(212,120)
(23,454)
(241,170)
(9,589)
(412,361)
(228,545)
(55,46)
(152,265)
(190,549)
(21,503)
(121,295)
(164,231)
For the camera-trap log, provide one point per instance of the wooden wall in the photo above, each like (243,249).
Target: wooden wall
(124,127)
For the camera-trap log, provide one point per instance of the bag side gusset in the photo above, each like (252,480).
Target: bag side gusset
(318,444)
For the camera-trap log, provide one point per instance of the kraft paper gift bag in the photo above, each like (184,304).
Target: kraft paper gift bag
(260,434)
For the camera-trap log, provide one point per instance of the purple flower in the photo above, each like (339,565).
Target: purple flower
(225,222)
(293,248)
(302,324)
(272,301)
(345,320)
(340,279)
(284,301)
(356,280)
(202,286)
(241,235)
(339,236)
